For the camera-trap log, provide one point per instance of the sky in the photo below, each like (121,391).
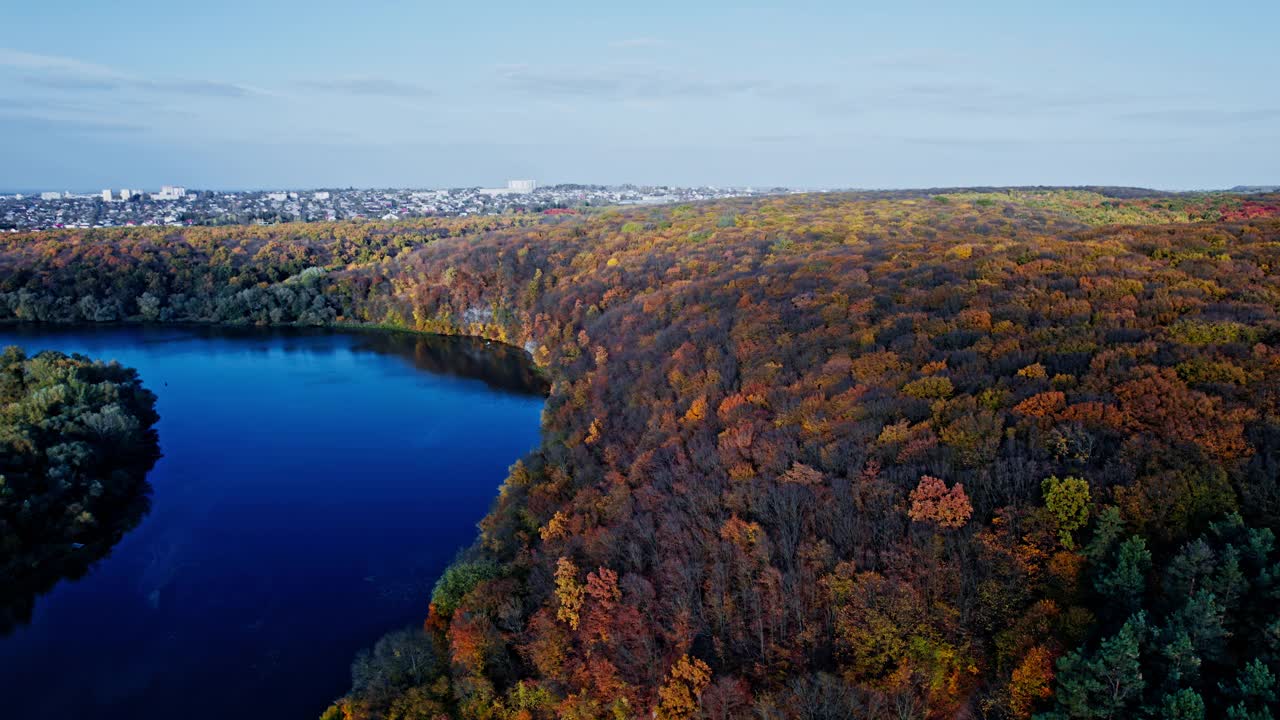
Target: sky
(244,95)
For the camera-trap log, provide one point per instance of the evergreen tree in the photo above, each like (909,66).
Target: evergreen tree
(1254,689)
(1124,584)
(1201,619)
(1185,704)
(1106,683)
(1107,530)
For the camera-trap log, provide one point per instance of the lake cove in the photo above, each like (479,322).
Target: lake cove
(313,486)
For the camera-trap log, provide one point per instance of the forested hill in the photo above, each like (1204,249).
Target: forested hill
(947,455)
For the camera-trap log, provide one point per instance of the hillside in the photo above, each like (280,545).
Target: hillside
(929,455)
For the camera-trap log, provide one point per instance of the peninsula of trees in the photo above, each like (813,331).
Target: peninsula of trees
(886,455)
(76,443)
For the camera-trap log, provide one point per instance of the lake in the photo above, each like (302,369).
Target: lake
(313,487)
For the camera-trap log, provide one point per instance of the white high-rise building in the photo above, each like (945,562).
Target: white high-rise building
(170,192)
(50,196)
(125,193)
(106,195)
(522,186)
(322,195)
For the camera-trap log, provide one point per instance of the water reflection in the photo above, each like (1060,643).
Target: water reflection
(55,563)
(501,367)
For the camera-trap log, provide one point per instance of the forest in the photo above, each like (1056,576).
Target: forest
(1001,453)
(76,444)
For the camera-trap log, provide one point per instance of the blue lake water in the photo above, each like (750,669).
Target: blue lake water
(312,488)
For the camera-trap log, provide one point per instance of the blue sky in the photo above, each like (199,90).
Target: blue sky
(239,94)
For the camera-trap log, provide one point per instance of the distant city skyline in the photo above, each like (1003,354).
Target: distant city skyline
(507,186)
(175,206)
(235,96)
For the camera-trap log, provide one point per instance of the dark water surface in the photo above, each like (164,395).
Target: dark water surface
(312,488)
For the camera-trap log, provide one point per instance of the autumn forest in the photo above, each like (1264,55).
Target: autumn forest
(994,453)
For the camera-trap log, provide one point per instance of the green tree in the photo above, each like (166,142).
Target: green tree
(1201,620)
(1185,704)
(457,581)
(1107,530)
(1254,689)
(1182,664)
(1067,500)
(1105,683)
(1125,581)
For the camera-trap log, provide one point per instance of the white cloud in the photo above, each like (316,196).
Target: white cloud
(65,73)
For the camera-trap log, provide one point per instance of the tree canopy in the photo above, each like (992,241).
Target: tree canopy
(830,455)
